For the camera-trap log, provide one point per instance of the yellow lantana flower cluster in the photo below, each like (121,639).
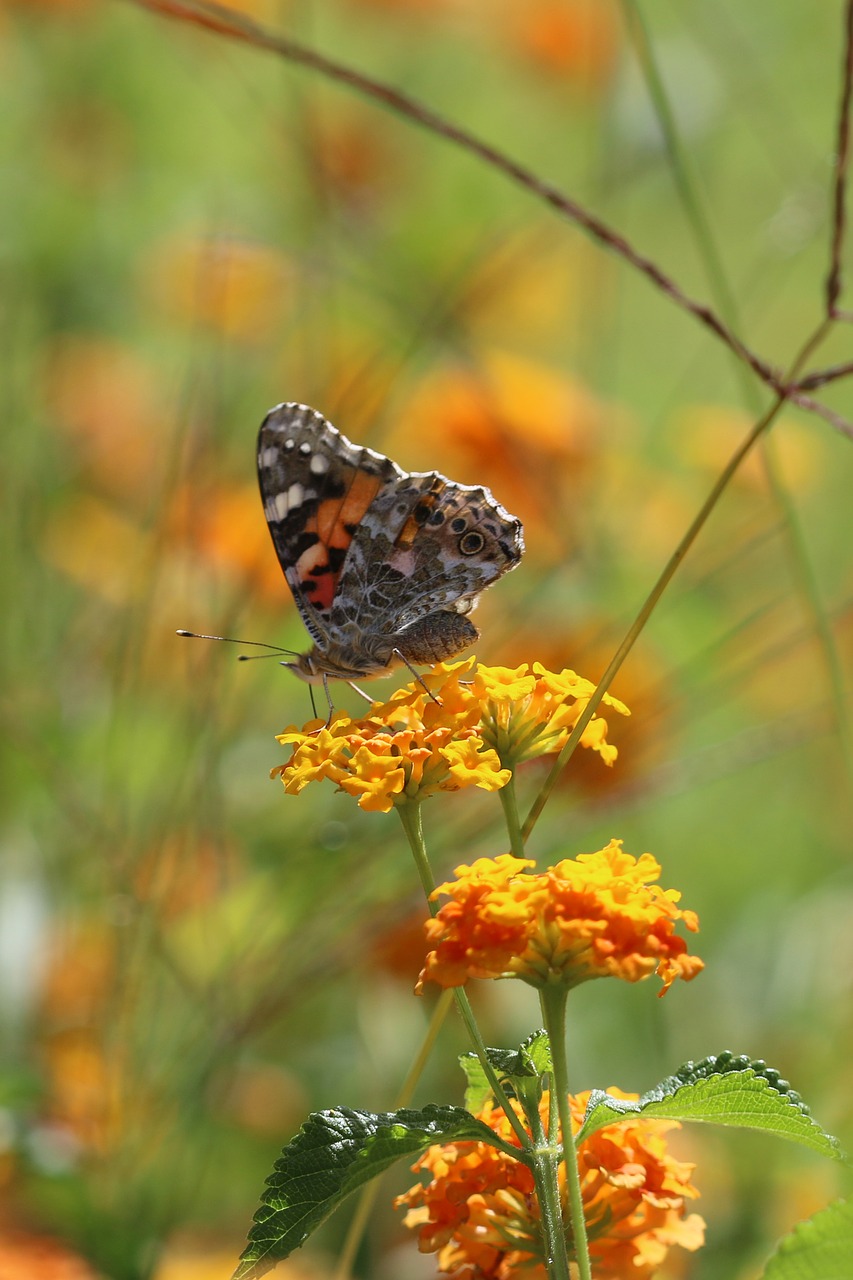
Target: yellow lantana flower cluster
(530,711)
(480,1214)
(461,726)
(597,915)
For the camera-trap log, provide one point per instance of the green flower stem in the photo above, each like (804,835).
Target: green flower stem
(513,822)
(698,523)
(545,1169)
(553,1002)
(410,816)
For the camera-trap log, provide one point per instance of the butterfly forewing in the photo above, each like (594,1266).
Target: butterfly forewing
(316,488)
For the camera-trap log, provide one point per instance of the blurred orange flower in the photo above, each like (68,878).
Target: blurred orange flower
(598,915)
(83,1087)
(425,8)
(99,548)
(240,289)
(185,871)
(31,1257)
(352,155)
(480,1215)
(102,396)
(576,40)
(186,1261)
(443,733)
(79,976)
(526,431)
(224,524)
(641,738)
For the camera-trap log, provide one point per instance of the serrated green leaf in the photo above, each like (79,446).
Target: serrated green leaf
(335,1153)
(725,1090)
(530,1061)
(477,1090)
(818,1249)
(537,1050)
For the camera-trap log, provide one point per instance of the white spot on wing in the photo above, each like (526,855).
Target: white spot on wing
(267,457)
(295,495)
(319,464)
(305,448)
(275,507)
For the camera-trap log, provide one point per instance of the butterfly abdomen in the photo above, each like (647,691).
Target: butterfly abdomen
(435,638)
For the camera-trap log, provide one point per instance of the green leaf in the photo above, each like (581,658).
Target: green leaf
(818,1249)
(513,1067)
(477,1089)
(335,1153)
(726,1090)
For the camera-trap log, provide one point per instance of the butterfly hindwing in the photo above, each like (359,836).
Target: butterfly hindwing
(425,544)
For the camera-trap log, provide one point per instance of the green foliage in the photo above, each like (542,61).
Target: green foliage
(335,1153)
(819,1249)
(725,1090)
(514,1068)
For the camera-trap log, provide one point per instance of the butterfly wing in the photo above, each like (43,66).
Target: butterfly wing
(425,544)
(368,549)
(316,488)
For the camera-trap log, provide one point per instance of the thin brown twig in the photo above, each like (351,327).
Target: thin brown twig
(821,377)
(224,21)
(822,411)
(842,157)
(219,18)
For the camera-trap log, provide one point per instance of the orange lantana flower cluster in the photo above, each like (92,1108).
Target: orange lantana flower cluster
(479,1212)
(462,726)
(594,916)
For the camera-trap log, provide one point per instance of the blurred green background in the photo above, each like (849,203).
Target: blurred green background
(193,231)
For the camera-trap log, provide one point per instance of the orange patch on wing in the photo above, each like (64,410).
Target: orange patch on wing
(326,587)
(411,528)
(330,524)
(335,513)
(408,533)
(312,568)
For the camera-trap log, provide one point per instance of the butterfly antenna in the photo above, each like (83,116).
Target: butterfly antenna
(274,649)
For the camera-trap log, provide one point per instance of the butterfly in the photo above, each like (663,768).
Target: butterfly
(385,565)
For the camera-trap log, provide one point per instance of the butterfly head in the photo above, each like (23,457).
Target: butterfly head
(305,667)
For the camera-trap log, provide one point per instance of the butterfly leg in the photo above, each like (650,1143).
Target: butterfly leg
(363,693)
(398,653)
(329,702)
(435,638)
(328,694)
